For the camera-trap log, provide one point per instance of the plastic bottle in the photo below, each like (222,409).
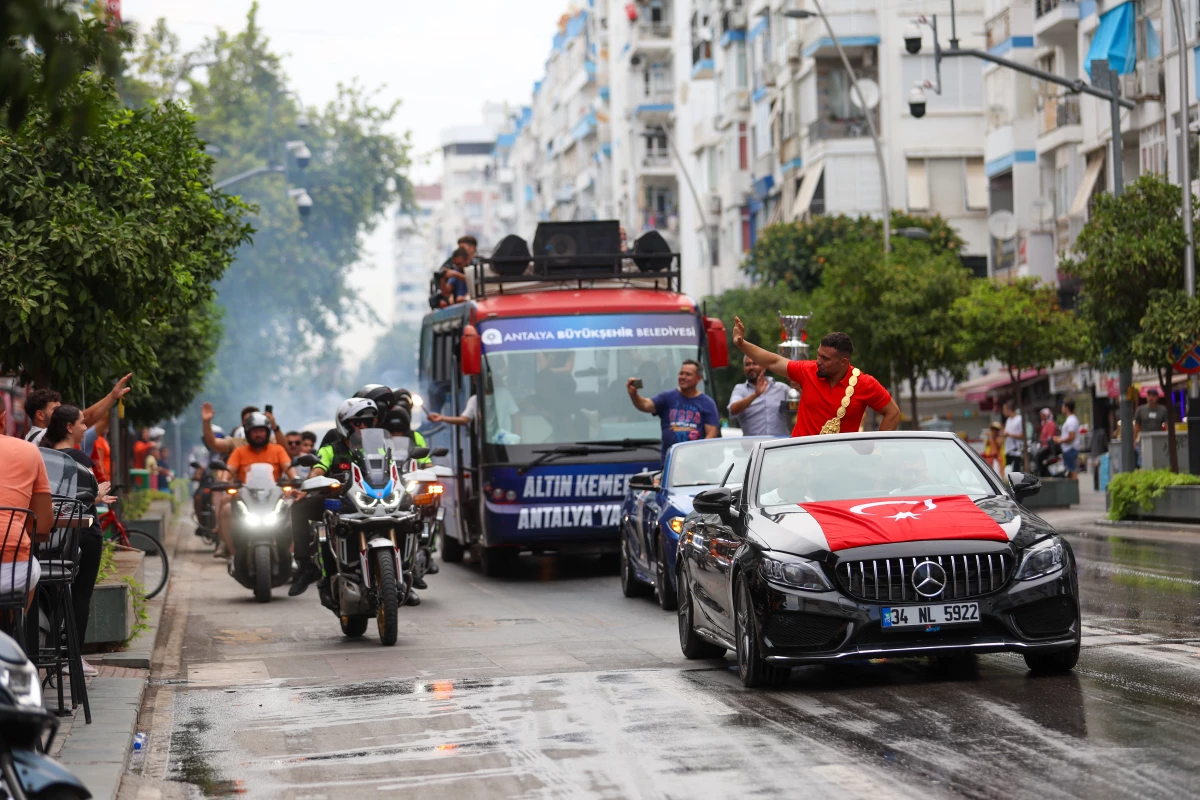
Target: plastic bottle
(139,741)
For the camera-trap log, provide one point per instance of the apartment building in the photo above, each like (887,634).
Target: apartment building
(419,246)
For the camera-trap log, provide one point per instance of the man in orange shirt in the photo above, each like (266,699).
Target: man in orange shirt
(834,396)
(258,449)
(23,484)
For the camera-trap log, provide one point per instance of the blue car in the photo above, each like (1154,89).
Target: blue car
(656,503)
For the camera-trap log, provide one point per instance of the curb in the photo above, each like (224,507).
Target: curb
(97,754)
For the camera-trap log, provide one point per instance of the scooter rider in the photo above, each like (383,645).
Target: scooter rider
(258,449)
(353,414)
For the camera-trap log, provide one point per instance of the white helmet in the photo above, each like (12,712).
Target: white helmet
(355,408)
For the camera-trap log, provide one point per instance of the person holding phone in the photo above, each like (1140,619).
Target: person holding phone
(685,413)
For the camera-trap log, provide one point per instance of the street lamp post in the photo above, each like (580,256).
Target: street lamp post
(800,13)
(709,239)
(1110,92)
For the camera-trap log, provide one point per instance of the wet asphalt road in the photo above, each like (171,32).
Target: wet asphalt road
(553,685)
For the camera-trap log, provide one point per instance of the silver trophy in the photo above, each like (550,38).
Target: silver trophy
(793,347)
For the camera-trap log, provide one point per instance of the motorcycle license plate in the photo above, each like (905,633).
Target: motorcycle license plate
(920,616)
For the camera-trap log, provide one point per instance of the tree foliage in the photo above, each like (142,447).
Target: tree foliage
(900,313)
(68,46)
(789,254)
(1169,329)
(106,241)
(1131,246)
(286,296)
(1018,324)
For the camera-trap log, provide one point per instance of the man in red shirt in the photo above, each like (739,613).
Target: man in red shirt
(828,385)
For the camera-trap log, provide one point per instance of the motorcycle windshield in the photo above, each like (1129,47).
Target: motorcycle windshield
(400,448)
(260,482)
(372,448)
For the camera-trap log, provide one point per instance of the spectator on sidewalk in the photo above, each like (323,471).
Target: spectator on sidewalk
(757,404)
(1049,429)
(1151,417)
(1099,449)
(40,404)
(1070,439)
(23,484)
(1014,437)
(993,447)
(66,434)
(686,414)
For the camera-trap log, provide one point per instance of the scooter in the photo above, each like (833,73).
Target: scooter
(26,772)
(368,537)
(206,519)
(425,486)
(262,530)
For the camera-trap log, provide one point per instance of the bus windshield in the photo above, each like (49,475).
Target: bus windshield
(563,389)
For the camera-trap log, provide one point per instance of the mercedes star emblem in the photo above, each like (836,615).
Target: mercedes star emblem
(929,579)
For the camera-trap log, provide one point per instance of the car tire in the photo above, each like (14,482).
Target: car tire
(668,598)
(630,585)
(1053,663)
(753,669)
(690,643)
(498,562)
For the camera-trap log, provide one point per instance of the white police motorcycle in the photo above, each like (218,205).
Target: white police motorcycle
(367,539)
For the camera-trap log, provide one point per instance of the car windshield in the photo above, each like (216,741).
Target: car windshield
(706,464)
(848,470)
(550,384)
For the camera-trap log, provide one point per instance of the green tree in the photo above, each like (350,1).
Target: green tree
(1131,246)
(286,297)
(68,46)
(900,314)
(789,254)
(1169,329)
(106,241)
(1018,324)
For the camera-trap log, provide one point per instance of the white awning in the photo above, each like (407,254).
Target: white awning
(918,185)
(1087,185)
(808,189)
(977,185)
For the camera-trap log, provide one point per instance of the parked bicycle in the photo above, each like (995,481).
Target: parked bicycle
(157,568)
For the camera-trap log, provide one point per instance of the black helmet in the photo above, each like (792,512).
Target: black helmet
(382,395)
(403,398)
(398,421)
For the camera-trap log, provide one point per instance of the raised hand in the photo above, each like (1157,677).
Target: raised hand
(122,388)
(206,412)
(761,385)
(739,332)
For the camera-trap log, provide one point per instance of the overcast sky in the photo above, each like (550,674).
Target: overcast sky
(443,58)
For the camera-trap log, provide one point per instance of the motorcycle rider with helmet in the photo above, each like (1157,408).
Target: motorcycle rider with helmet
(258,449)
(353,414)
(399,423)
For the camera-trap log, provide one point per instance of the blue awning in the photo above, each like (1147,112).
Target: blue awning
(1115,40)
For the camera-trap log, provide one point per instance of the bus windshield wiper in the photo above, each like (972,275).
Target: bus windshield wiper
(582,449)
(628,443)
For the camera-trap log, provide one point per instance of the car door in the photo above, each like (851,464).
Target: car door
(720,540)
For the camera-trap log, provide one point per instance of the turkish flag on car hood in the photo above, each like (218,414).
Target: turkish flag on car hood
(888,520)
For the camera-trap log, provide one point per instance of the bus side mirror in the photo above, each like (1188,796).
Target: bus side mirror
(718,345)
(470,356)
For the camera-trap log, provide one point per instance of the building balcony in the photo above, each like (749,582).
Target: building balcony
(657,102)
(507,211)
(656,162)
(650,39)
(506,175)
(1055,19)
(1059,122)
(824,130)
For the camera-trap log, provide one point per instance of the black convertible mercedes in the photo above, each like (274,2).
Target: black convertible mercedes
(873,545)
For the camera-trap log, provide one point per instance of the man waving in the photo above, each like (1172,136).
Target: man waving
(834,395)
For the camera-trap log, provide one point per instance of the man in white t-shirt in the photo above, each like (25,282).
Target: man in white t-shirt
(1014,436)
(503,422)
(1070,439)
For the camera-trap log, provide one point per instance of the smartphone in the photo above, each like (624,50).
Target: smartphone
(270,408)
(637,383)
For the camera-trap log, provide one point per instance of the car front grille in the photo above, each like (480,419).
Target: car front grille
(805,630)
(890,579)
(1050,617)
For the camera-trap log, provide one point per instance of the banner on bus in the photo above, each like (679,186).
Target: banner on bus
(590,330)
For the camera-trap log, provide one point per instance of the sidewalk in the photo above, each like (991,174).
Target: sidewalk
(1089,519)
(97,753)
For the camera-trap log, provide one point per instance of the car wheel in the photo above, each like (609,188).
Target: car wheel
(498,562)
(1053,663)
(630,585)
(690,643)
(753,669)
(668,599)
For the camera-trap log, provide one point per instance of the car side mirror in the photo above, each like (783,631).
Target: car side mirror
(1024,484)
(642,482)
(714,501)
(439,452)
(419,453)
(305,460)
(218,466)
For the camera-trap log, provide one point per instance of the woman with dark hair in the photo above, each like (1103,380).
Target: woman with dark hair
(65,432)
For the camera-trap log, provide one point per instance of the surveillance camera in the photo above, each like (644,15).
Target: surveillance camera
(916,101)
(303,156)
(302,120)
(635,60)
(912,38)
(304,201)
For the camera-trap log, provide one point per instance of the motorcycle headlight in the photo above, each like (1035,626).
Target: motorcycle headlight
(393,498)
(1041,559)
(22,683)
(412,486)
(797,573)
(362,500)
(676,524)
(253,519)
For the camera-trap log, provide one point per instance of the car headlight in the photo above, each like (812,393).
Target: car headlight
(676,524)
(22,684)
(1041,559)
(798,573)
